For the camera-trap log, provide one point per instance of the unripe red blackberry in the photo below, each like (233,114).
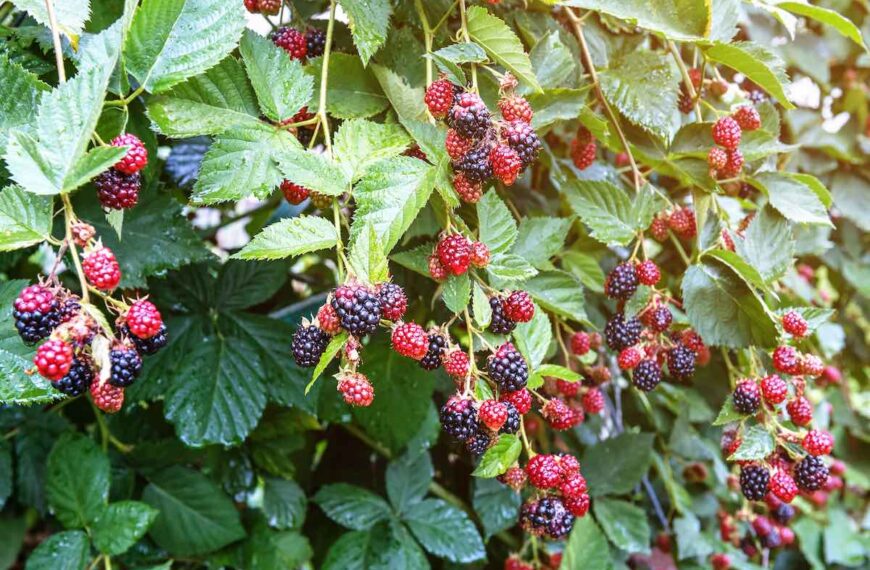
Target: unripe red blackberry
(106,397)
(457,364)
(560,415)
(409,339)
(315,40)
(470,116)
(126,365)
(818,442)
(567,389)
(811,365)
(468,191)
(514,562)
(747,117)
(101,268)
(439,97)
(252,6)
(457,145)
(36,311)
(117,190)
(521,400)
(358,309)
(454,253)
(831,375)
(726,133)
(733,164)
(717,158)
(648,272)
(622,281)
(658,229)
(783,486)
(515,108)
(810,473)
(681,362)
(479,255)
(508,368)
(293,193)
(746,397)
(577,506)
(521,137)
(270,7)
(493,414)
(136,157)
(77,380)
(393,300)
(515,478)
(82,233)
(506,163)
(544,472)
(621,333)
(573,485)
(800,411)
(143,319)
(682,222)
(476,164)
(356,389)
(646,375)
(720,561)
(794,324)
(754,482)
(786,360)
(292,41)
(659,319)
(499,323)
(593,401)
(309,343)
(437,346)
(582,155)
(436,268)
(629,358)
(459,418)
(774,389)
(519,307)
(414,151)
(327,320)
(512,423)
(580,343)
(53,359)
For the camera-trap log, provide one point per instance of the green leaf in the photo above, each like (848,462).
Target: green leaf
(552,371)
(195,515)
(390,196)
(244,161)
(158,50)
(586,547)
(20,92)
(449,58)
(284,503)
(825,16)
(676,19)
(291,237)
(497,505)
(644,87)
(480,306)
(723,310)
(809,534)
(728,414)
(384,547)
(624,524)
(218,100)
(510,267)
(70,15)
(552,61)
(534,337)
(244,284)
(457,293)
(416,259)
(281,85)
(558,292)
(313,171)
(359,144)
(351,506)
(850,193)
(5,473)
(353,90)
(406,101)
(25,219)
(77,482)
(614,466)
(369,22)
(13,531)
(501,44)
(604,208)
(738,265)
(121,525)
(500,457)
(767,244)
(539,239)
(408,479)
(756,444)
(445,531)
(556,105)
(690,540)
(336,343)
(367,258)
(845,541)
(95,161)
(792,198)
(586,268)
(68,550)
(497,228)
(757,63)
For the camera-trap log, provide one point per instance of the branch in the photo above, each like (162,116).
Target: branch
(687,81)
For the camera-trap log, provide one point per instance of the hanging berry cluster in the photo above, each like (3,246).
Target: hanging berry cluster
(726,160)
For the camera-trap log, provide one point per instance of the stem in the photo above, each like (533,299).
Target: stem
(427,36)
(324,78)
(339,246)
(69,218)
(55,38)
(464,20)
(577,25)
(680,250)
(444,17)
(657,505)
(687,81)
(104,430)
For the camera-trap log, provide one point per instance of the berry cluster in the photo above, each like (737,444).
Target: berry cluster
(686,102)
(118,188)
(300,45)
(454,254)
(726,160)
(481,146)
(268,7)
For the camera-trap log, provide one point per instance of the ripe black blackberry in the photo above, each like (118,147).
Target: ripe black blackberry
(499,323)
(470,116)
(68,309)
(681,363)
(512,423)
(151,345)
(36,313)
(316,41)
(309,342)
(77,380)
(754,482)
(811,473)
(478,443)
(521,137)
(475,164)
(358,309)
(646,375)
(393,300)
(621,333)
(508,368)
(783,513)
(304,135)
(126,365)
(622,281)
(550,515)
(747,397)
(459,418)
(437,346)
(116,190)
(659,319)
(773,539)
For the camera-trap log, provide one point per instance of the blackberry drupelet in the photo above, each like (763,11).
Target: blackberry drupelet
(512,424)
(508,368)
(77,380)
(646,375)
(437,346)
(754,482)
(309,342)
(359,310)
(811,473)
(499,323)
(126,365)
(459,418)
(621,333)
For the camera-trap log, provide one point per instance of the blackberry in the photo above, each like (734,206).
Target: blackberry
(292,41)
(621,333)
(508,368)
(783,513)
(393,300)
(470,116)
(359,310)
(77,380)
(126,365)
(304,135)
(437,346)
(747,397)
(36,313)
(116,190)
(309,342)
(512,423)
(659,319)
(551,515)
(459,418)
(69,309)
(646,375)
(811,473)
(153,344)
(478,443)
(316,42)
(521,137)
(622,281)
(499,323)
(772,539)
(681,362)
(754,482)
(475,164)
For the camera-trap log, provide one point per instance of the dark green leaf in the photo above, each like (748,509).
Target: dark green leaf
(281,86)
(757,63)
(351,506)
(457,292)
(480,305)
(408,479)
(369,22)
(586,547)
(121,525)
(604,208)
(445,531)
(5,471)
(728,414)
(67,550)
(616,465)
(244,284)
(335,345)
(624,524)
(767,244)
(539,239)
(291,237)
(496,504)
(25,219)
(501,44)
(284,503)
(552,371)
(690,541)
(359,144)
(534,337)
(500,457)
(353,90)
(558,292)
(510,267)
(497,229)
(77,481)
(757,444)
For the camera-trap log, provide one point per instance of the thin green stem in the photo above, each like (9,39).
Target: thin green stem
(101,423)
(687,80)
(464,22)
(69,218)
(680,249)
(324,78)
(339,246)
(444,17)
(55,38)
(427,37)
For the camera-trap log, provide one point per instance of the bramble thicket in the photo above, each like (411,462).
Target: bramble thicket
(368,284)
